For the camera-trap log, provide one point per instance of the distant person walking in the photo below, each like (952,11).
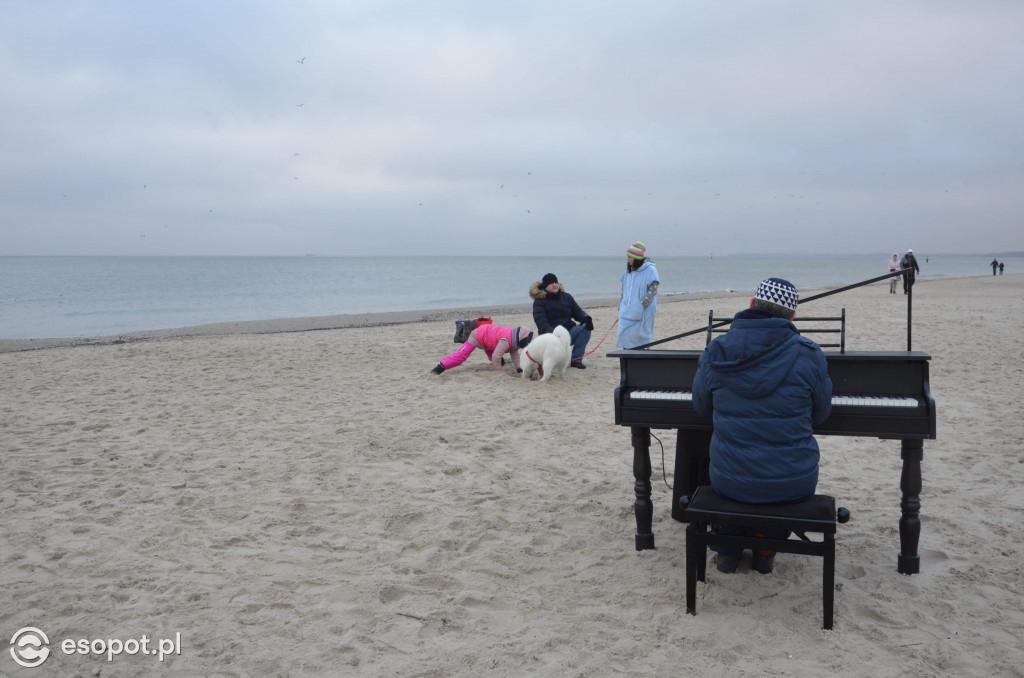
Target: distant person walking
(995,265)
(894,265)
(909,261)
(1000,268)
(639,299)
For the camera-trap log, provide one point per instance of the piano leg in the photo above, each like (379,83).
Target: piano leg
(643,509)
(909,561)
(691,470)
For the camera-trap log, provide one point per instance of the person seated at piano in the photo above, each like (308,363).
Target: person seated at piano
(495,341)
(639,300)
(553,306)
(764,386)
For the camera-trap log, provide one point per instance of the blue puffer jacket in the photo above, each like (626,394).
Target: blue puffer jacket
(764,386)
(551,310)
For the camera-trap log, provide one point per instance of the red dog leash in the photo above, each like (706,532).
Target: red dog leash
(602,339)
(540,368)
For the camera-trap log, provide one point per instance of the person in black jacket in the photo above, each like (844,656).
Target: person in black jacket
(909,261)
(553,306)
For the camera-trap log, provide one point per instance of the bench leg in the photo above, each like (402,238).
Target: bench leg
(828,579)
(695,552)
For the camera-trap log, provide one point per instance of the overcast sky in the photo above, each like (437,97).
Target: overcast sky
(559,127)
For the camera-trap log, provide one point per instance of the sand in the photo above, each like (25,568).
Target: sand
(316,503)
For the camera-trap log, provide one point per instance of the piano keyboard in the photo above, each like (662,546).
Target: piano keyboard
(837,400)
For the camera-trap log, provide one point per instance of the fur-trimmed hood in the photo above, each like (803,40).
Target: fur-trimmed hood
(537,290)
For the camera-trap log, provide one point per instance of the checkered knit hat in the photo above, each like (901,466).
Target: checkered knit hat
(778,291)
(637,250)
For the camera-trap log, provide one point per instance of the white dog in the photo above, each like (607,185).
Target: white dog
(547,354)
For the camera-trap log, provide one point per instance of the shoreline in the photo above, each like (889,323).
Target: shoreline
(326,322)
(353,320)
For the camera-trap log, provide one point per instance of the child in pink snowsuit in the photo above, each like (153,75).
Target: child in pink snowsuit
(495,340)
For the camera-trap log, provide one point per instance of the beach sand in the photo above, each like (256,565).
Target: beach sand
(316,503)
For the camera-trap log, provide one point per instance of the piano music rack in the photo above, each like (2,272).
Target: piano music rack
(718,326)
(713,324)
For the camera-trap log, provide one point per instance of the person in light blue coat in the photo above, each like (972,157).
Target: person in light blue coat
(639,300)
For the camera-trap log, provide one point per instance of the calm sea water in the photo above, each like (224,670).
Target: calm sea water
(43,297)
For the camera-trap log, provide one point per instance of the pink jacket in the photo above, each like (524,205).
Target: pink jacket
(496,340)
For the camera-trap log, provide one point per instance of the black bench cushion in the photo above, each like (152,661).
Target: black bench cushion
(815,515)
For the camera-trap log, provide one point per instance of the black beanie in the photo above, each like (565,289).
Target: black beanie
(548,279)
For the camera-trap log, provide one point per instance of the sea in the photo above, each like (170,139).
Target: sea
(58,297)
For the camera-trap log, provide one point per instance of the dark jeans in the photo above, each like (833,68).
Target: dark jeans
(578,337)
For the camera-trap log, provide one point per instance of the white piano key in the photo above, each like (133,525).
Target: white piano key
(837,400)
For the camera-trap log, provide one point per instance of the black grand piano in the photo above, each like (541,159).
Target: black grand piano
(883,394)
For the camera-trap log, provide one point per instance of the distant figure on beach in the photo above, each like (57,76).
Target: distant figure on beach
(764,386)
(552,306)
(639,299)
(909,261)
(496,342)
(1000,268)
(894,265)
(995,265)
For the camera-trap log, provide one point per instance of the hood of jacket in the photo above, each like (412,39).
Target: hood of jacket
(756,352)
(537,290)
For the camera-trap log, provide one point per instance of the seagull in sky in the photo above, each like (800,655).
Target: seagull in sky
(301,61)
(300,105)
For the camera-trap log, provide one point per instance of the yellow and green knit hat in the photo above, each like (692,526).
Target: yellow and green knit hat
(637,250)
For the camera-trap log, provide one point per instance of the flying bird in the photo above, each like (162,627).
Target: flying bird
(301,61)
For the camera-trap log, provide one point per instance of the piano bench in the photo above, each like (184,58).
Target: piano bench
(817,515)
